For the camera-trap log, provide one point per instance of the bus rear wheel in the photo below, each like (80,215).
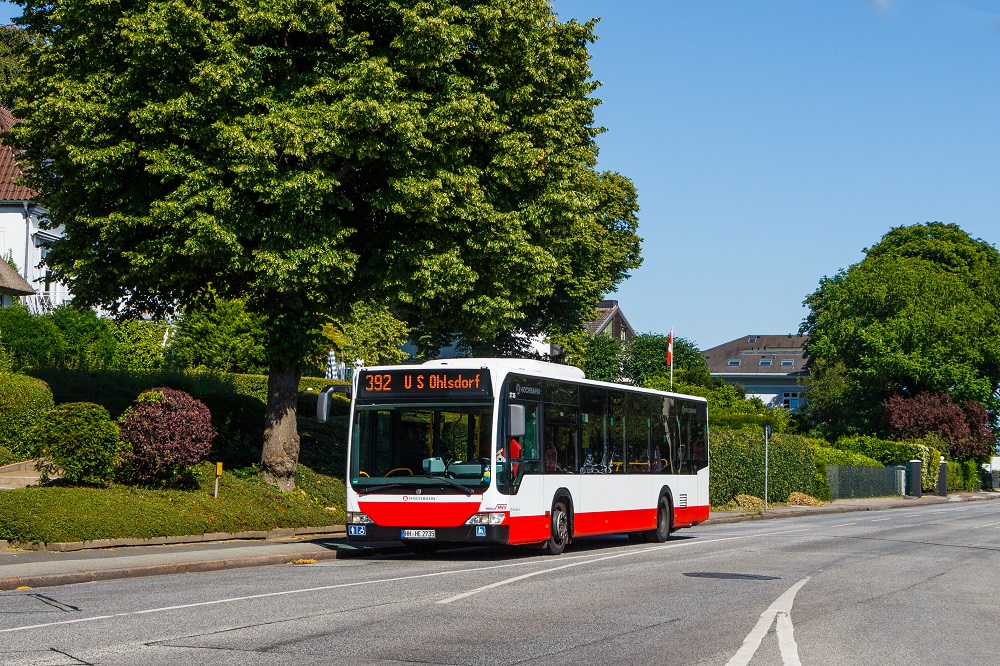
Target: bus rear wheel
(559,530)
(664,522)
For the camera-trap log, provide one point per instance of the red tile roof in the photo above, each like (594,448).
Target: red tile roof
(9,171)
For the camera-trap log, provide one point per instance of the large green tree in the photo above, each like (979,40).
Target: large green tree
(920,313)
(305,155)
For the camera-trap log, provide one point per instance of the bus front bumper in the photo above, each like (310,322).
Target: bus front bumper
(470,534)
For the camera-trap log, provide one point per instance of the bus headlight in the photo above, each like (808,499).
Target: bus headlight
(486,519)
(358,518)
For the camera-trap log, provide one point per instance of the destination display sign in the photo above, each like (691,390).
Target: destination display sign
(425,383)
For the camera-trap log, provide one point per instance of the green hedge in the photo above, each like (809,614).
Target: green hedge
(737,468)
(23,402)
(237,403)
(963,475)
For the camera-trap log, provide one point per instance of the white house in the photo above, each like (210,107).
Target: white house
(769,367)
(21,236)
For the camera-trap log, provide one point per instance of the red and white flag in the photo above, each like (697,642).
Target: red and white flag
(670,349)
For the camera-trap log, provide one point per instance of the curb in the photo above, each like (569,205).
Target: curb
(268,535)
(52,580)
(901,503)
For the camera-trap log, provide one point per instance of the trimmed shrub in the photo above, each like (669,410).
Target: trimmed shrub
(79,441)
(167,431)
(738,465)
(23,402)
(7,456)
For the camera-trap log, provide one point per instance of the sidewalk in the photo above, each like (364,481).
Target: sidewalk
(64,564)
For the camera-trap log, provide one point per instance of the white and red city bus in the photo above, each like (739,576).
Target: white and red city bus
(515,451)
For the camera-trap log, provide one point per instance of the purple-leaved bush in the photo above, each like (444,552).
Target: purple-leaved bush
(167,431)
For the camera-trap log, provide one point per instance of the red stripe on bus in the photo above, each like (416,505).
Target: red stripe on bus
(419,514)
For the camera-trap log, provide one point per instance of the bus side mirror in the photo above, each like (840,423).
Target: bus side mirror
(516,421)
(323,400)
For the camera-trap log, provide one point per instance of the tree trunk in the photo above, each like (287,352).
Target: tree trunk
(281,436)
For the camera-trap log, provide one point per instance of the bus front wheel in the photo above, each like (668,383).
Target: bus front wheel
(664,521)
(559,530)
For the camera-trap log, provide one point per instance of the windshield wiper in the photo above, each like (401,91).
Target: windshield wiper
(388,486)
(395,486)
(453,484)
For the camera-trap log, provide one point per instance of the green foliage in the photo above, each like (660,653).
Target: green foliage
(456,181)
(31,342)
(138,345)
(372,335)
(963,475)
(89,340)
(728,406)
(828,455)
(646,356)
(7,456)
(79,441)
(219,334)
(78,339)
(13,44)
(738,465)
(603,360)
(920,313)
(53,514)
(23,402)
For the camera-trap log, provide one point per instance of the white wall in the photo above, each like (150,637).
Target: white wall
(20,236)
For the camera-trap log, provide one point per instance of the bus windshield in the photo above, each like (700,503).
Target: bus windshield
(397,448)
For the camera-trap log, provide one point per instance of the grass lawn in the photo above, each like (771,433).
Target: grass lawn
(57,513)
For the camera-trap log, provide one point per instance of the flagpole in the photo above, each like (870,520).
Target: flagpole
(670,355)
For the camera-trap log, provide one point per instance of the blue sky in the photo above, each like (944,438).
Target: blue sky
(771,142)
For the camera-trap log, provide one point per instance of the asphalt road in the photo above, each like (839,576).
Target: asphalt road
(910,586)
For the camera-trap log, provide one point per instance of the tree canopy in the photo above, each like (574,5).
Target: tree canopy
(304,156)
(919,314)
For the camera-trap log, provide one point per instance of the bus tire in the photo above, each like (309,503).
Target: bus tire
(559,529)
(664,522)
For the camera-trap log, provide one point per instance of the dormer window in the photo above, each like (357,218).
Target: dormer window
(733,361)
(752,339)
(787,361)
(765,361)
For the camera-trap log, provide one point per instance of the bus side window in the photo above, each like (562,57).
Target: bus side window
(594,454)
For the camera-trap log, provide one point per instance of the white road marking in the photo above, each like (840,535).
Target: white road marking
(782,610)
(585,560)
(982,526)
(879,520)
(508,581)
(841,524)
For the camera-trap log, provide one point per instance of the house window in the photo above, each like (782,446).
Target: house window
(765,361)
(733,361)
(752,338)
(787,361)
(791,400)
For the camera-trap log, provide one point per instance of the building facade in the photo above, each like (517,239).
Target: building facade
(22,238)
(768,367)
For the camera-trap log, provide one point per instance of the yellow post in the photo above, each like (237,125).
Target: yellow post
(218,473)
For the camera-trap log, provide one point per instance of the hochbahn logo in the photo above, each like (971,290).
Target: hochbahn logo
(529,390)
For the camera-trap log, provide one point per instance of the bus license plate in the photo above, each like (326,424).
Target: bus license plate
(418,534)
